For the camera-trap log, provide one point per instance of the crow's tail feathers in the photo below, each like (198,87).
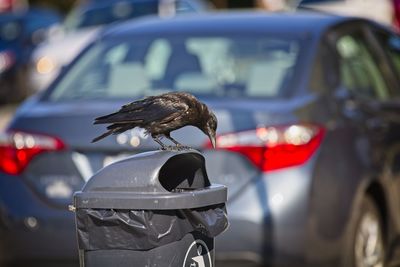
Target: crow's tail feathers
(106,119)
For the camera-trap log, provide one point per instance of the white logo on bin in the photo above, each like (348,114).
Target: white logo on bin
(198,255)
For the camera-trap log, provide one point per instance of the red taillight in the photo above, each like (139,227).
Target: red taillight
(272,148)
(396,19)
(17,149)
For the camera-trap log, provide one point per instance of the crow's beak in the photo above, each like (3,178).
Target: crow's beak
(213,140)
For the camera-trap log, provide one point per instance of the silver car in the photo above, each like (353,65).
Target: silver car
(308,135)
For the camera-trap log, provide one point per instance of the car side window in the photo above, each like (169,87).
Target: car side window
(358,69)
(391,46)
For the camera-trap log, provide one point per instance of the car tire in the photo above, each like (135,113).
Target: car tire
(366,246)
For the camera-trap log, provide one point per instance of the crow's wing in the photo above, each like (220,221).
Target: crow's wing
(146,111)
(139,104)
(177,99)
(131,107)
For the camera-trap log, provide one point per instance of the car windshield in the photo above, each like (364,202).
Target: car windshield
(108,12)
(210,66)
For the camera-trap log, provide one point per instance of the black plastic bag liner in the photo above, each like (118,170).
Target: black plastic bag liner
(145,229)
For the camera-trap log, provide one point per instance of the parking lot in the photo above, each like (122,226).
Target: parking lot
(158,124)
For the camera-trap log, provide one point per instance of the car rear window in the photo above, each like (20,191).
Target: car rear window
(228,66)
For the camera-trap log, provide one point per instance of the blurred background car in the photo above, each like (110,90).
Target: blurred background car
(308,131)
(20,33)
(378,10)
(83,23)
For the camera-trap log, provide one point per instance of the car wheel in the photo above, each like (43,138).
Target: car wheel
(367,243)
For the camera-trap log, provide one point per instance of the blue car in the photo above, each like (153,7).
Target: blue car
(308,135)
(84,21)
(20,33)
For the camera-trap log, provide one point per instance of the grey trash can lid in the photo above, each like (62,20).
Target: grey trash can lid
(155,180)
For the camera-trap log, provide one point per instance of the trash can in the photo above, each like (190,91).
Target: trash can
(152,209)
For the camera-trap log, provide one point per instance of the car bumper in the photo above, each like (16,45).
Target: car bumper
(268,221)
(30,229)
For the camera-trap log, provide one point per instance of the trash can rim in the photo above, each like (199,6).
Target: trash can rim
(186,199)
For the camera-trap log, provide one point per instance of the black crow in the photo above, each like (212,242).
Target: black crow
(159,115)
